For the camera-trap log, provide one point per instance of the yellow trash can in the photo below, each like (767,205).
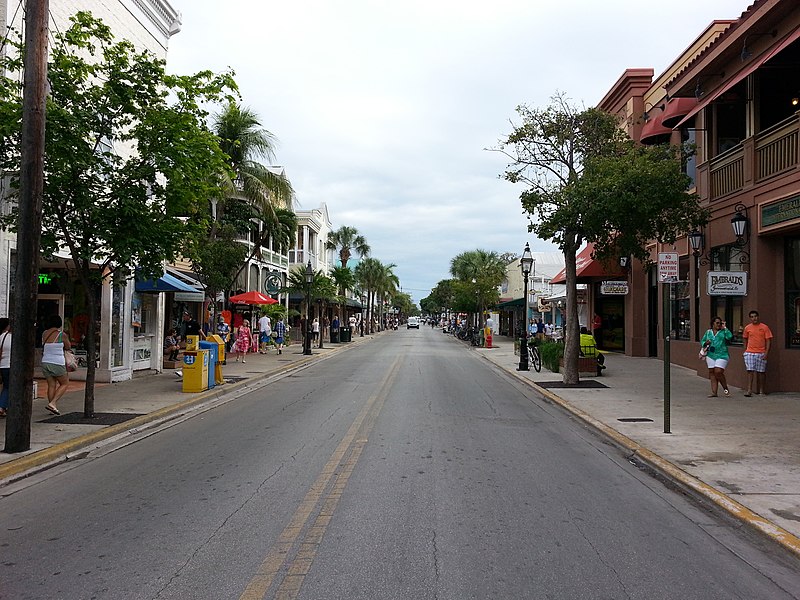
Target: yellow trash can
(218,378)
(195,370)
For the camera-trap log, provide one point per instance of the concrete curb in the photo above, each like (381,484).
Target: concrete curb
(688,482)
(39,460)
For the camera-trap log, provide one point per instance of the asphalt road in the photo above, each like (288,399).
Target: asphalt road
(404,468)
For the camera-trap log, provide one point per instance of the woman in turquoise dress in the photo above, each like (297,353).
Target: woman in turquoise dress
(715,342)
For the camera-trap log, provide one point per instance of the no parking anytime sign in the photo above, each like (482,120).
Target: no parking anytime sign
(667,267)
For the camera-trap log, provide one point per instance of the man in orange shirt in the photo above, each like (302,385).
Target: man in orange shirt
(758,338)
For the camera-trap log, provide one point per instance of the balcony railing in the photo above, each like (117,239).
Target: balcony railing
(726,172)
(771,152)
(776,148)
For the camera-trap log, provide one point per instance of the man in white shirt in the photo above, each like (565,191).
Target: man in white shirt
(264,331)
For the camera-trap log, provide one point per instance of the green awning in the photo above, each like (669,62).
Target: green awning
(511,303)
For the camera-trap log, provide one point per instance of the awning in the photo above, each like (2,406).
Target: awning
(792,37)
(652,129)
(165,283)
(588,269)
(676,109)
(511,303)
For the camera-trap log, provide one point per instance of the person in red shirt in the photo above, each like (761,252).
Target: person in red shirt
(758,339)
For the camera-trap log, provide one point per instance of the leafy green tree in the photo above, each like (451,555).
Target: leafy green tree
(586,181)
(129,159)
(478,273)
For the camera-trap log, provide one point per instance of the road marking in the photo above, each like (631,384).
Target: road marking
(296,559)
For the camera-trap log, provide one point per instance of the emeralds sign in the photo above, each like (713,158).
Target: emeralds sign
(780,212)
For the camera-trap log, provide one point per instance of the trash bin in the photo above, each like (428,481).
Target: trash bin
(213,349)
(220,357)
(334,336)
(195,370)
(346,334)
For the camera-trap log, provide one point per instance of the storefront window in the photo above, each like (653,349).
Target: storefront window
(731,310)
(680,300)
(143,313)
(793,292)
(117,328)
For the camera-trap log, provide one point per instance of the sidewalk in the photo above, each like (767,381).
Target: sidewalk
(741,453)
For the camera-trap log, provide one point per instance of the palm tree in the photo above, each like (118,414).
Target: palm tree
(378,281)
(482,272)
(245,142)
(347,240)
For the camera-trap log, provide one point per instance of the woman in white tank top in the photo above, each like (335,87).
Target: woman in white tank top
(54,367)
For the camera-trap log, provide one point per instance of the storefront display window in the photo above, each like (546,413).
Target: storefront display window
(117,325)
(731,310)
(680,300)
(793,292)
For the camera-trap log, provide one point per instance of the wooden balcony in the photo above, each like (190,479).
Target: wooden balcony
(771,152)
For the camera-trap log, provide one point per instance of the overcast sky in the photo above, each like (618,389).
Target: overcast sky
(383,110)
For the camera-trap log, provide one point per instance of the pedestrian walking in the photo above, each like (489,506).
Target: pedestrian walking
(315,331)
(715,346)
(5,363)
(244,338)
(758,341)
(54,365)
(224,331)
(280,332)
(264,333)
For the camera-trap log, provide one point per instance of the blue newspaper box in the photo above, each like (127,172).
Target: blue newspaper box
(213,351)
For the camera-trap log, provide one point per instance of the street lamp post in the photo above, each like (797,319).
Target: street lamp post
(525,264)
(363,302)
(309,281)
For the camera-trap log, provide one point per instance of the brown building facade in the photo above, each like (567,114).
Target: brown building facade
(735,95)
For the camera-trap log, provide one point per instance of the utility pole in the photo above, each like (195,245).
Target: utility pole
(29,227)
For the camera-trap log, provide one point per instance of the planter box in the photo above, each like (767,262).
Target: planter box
(587,366)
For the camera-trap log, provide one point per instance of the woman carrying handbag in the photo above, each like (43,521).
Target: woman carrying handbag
(54,364)
(715,344)
(5,363)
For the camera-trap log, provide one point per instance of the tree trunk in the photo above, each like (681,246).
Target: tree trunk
(91,349)
(572,329)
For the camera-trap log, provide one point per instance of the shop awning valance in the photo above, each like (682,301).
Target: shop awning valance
(588,269)
(165,283)
(511,303)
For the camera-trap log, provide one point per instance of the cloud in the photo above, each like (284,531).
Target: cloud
(383,110)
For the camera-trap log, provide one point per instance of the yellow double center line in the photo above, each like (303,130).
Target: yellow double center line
(321,498)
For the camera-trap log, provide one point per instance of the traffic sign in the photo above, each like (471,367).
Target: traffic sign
(667,267)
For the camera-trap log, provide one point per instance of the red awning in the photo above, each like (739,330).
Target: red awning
(784,43)
(676,109)
(588,269)
(652,129)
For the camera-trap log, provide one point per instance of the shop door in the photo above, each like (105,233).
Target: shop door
(612,312)
(46,306)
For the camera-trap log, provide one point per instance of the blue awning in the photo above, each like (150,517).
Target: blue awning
(165,283)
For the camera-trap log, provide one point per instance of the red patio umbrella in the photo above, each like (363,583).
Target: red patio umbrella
(252,297)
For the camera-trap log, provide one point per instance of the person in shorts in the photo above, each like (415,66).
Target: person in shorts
(715,344)
(758,340)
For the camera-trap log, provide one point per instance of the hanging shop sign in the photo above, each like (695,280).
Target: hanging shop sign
(727,283)
(614,288)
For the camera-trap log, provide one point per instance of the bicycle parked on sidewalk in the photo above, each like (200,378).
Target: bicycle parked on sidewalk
(535,358)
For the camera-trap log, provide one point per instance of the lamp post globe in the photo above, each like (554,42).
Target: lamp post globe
(525,265)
